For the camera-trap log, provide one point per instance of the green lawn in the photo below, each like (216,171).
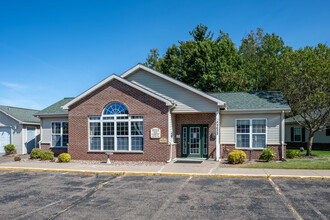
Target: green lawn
(322,161)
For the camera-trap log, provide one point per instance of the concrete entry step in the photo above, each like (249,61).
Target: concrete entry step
(189,161)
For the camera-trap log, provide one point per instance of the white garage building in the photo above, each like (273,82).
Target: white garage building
(19,127)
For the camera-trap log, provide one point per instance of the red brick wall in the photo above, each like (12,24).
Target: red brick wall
(254,154)
(137,103)
(200,118)
(57,150)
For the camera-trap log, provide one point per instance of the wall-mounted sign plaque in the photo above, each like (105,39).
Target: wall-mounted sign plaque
(163,140)
(155,133)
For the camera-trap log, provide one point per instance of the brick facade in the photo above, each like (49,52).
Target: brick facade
(199,118)
(138,103)
(252,154)
(57,150)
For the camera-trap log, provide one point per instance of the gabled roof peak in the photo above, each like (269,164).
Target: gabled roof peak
(172,80)
(109,79)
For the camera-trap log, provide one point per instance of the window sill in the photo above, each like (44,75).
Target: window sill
(250,148)
(58,147)
(115,152)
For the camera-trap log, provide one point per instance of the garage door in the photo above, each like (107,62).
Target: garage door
(4,138)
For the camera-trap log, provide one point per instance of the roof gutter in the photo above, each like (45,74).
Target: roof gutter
(51,115)
(240,111)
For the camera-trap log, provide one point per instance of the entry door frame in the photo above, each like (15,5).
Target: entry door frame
(203,139)
(35,137)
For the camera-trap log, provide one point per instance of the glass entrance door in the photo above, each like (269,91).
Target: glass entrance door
(194,141)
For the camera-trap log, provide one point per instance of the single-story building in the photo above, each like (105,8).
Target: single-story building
(19,127)
(296,136)
(146,115)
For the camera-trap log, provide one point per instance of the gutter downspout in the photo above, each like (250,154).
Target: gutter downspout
(282,134)
(169,129)
(217,145)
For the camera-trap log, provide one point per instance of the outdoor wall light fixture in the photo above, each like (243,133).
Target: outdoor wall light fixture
(213,135)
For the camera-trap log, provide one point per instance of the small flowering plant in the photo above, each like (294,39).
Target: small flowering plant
(267,155)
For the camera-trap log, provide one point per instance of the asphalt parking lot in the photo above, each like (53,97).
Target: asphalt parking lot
(46,195)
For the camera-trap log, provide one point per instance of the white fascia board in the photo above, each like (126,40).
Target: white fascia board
(19,121)
(249,111)
(52,115)
(109,79)
(30,123)
(172,80)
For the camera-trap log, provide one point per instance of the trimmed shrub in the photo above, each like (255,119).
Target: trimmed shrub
(47,155)
(17,158)
(64,157)
(236,156)
(35,153)
(267,155)
(291,154)
(10,149)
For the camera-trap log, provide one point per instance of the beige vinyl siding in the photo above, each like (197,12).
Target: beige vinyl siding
(319,137)
(185,100)
(16,131)
(227,127)
(46,132)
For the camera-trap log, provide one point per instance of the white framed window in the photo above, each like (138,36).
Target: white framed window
(116,130)
(251,133)
(297,134)
(60,133)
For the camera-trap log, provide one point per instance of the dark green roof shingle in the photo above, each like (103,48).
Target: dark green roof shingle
(253,100)
(55,108)
(21,114)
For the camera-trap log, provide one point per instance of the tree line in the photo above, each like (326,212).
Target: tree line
(261,62)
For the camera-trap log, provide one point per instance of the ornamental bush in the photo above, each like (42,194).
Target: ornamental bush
(47,155)
(35,153)
(267,155)
(236,156)
(291,154)
(64,158)
(10,149)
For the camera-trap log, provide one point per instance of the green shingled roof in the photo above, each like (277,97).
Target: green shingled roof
(253,100)
(55,108)
(22,114)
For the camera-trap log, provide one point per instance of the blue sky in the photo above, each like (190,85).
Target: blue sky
(55,49)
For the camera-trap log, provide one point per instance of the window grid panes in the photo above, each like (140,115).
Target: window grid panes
(205,141)
(119,132)
(95,135)
(297,134)
(184,136)
(251,133)
(60,131)
(115,108)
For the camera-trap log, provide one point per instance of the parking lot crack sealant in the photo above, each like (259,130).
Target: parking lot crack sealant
(82,198)
(285,200)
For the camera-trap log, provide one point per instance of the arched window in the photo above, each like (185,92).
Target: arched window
(115,108)
(116,130)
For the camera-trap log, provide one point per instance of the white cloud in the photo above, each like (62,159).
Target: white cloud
(21,102)
(14,86)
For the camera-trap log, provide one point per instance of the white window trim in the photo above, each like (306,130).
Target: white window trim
(250,134)
(301,134)
(129,120)
(51,133)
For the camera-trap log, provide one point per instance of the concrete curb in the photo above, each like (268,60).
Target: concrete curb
(167,174)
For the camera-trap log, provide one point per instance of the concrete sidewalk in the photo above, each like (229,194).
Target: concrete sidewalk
(180,167)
